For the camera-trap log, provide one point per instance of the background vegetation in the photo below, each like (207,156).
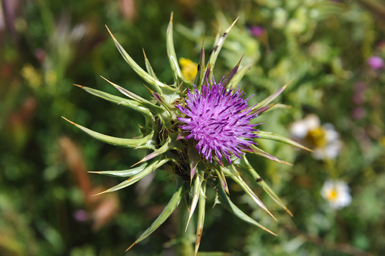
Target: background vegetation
(46,207)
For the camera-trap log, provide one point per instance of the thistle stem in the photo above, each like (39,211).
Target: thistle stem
(186,236)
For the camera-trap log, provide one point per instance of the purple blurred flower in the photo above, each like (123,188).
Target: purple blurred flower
(358,98)
(257,31)
(358,113)
(375,62)
(219,120)
(80,215)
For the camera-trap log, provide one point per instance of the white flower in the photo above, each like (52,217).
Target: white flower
(336,193)
(323,139)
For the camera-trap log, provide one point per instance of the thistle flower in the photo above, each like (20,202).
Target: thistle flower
(219,120)
(336,193)
(187,126)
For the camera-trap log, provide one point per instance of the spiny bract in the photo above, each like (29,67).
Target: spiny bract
(186,131)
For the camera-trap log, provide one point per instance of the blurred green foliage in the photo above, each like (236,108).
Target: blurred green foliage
(47,46)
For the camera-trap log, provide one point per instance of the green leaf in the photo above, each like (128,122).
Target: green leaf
(152,167)
(144,142)
(271,97)
(157,152)
(194,158)
(156,85)
(278,106)
(264,154)
(217,49)
(222,179)
(235,176)
(276,137)
(148,66)
(155,109)
(121,101)
(231,207)
(124,173)
(171,53)
(170,207)
(200,77)
(196,192)
(201,215)
(234,82)
(248,169)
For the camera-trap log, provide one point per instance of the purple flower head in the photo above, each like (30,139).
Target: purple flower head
(218,120)
(257,31)
(375,62)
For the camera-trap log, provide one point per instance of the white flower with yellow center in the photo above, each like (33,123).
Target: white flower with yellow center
(323,139)
(336,193)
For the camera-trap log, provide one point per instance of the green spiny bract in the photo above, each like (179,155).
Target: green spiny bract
(164,134)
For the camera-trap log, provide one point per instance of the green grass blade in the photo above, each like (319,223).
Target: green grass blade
(144,142)
(279,138)
(231,207)
(170,207)
(124,173)
(152,167)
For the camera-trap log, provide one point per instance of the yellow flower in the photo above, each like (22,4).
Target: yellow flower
(189,68)
(31,75)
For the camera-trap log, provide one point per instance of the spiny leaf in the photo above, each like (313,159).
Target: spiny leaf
(124,173)
(157,152)
(232,73)
(201,216)
(271,97)
(264,154)
(170,207)
(148,66)
(157,85)
(248,169)
(196,192)
(152,167)
(231,207)
(278,106)
(144,142)
(234,175)
(121,101)
(234,82)
(194,158)
(199,80)
(276,137)
(171,53)
(222,179)
(154,108)
(217,49)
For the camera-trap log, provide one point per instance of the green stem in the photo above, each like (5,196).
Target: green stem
(186,237)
